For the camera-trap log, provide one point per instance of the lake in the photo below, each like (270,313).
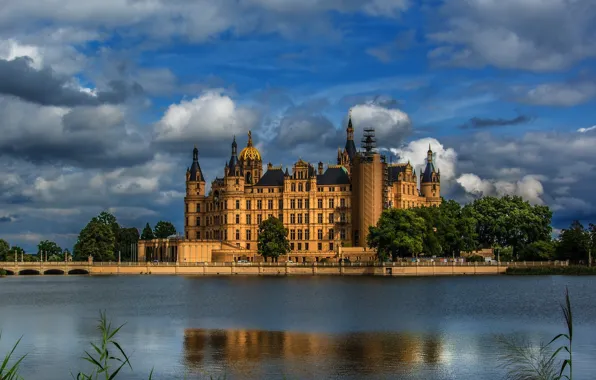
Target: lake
(293,327)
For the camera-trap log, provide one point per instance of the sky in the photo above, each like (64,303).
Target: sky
(102,101)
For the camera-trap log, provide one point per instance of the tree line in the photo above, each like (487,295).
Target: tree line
(514,228)
(103,238)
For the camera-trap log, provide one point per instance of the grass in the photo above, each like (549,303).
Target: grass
(572,270)
(524,361)
(12,372)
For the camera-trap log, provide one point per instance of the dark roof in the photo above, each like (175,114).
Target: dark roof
(334,176)
(428,171)
(195,170)
(232,165)
(394,172)
(272,177)
(350,149)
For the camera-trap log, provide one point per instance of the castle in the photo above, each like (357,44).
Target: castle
(325,209)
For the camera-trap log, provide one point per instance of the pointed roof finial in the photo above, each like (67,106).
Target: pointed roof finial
(249,139)
(429,147)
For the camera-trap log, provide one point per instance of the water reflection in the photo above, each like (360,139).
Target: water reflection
(242,352)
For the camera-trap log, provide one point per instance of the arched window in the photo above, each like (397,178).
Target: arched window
(300,188)
(237,234)
(293,187)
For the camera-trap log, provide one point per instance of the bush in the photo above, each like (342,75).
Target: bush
(572,270)
(2,272)
(475,259)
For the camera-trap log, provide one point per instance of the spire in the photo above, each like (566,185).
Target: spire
(231,165)
(195,170)
(195,154)
(249,139)
(429,155)
(350,146)
(350,129)
(234,146)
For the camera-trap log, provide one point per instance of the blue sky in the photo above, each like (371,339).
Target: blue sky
(102,101)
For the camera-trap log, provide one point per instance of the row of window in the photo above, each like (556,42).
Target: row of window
(223,235)
(294,218)
(306,247)
(294,204)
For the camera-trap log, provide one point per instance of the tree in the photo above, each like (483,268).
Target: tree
(15,251)
(125,240)
(398,233)
(574,243)
(147,233)
(97,240)
(4,248)
(164,229)
(50,250)
(273,238)
(542,250)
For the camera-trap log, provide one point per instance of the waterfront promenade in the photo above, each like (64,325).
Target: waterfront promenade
(267,269)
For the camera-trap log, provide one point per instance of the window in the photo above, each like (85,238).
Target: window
(306,246)
(248,217)
(292,203)
(270,204)
(198,220)
(293,187)
(225,219)
(280,217)
(248,205)
(292,234)
(237,181)
(320,203)
(187,221)
(331,203)
(342,234)
(186,207)
(300,246)
(259,204)
(332,189)
(199,235)
(248,235)
(291,246)
(319,246)
(331,234)
(237,219)
(247,245)
(306,234)
(299,234)
(259,219)
(320,189)
(342,217)
(306,218)
(281,204)
(237,205)
(198,207)
(331,246)
(319,218)
(331,218)
(307,186)
(320,234)
(300,218)
(293,218)
(342,202)
(306,203)
(299,203)
(300,187)
(237,234)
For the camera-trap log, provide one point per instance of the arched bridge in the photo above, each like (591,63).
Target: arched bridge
(46,268)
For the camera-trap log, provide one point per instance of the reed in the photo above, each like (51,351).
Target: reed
(11,371)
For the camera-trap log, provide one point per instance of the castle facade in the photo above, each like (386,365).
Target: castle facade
(323,207)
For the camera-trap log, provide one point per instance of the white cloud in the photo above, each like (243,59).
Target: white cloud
(391,125)
(210,117)
(558,94)
(416,151)
(528,187)
(11,49)
(584,130)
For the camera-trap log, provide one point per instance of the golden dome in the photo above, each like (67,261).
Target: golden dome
(250,152)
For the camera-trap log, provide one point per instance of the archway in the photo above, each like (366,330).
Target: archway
(8,272)
(54,271)
(29,272)
(78,271)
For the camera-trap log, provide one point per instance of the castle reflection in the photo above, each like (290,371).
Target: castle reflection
(368,354)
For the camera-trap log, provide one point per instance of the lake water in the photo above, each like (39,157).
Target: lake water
(293,327)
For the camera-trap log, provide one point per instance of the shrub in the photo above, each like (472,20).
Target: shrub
(572,270)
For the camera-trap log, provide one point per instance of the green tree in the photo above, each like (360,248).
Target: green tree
(147,233)
(97,240)
(542,250)
(15,251)
(164,229)
(574,243)
(273,238)
(51,249)
(398,233)
(126,238)
(4,248)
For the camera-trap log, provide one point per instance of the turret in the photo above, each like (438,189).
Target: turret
(320,168)
(430,182)
(195,182)
(350,148)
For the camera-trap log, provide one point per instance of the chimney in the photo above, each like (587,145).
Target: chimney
(320,168)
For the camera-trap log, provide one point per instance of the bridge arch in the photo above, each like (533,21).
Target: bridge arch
(28,272)
(8,272)
(53,271)
(78,271)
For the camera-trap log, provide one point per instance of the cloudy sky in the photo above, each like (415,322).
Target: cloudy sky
(101,101)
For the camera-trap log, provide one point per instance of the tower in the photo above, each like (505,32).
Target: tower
(368,186)
(346,157)
(195,195)
(251,162)
(430,183)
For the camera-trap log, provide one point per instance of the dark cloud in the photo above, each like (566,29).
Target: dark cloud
(8,218)
(46,87)
(481,123)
